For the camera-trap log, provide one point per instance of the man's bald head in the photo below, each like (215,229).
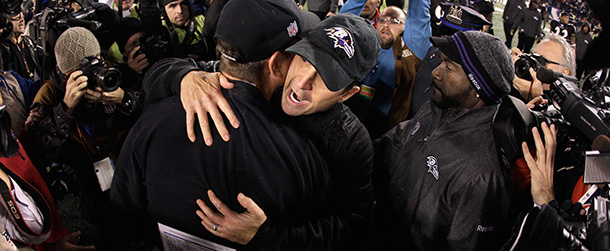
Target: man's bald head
(395,12)
(391,25)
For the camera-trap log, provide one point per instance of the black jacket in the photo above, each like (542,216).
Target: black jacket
(440,181)
(162,172)
(512,10)
(346,147)
(529,21)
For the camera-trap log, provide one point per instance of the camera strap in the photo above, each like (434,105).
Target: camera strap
(10,204)
(94,150)
(190,33)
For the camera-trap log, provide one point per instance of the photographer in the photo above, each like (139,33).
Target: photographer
(79,121)
(19,52)
(528,25)
(135,60)
(554,53)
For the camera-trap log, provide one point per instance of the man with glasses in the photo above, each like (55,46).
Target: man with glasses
(385,94)
(556,54)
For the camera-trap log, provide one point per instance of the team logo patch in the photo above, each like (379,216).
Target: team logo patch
(432,166)
(415,129)
(342,39)
(293,29)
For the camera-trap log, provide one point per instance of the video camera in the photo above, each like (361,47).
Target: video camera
(100,75)
(578,120)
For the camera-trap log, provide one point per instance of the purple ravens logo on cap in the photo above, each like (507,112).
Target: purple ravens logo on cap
(342,39)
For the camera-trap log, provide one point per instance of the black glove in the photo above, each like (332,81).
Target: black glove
(105,15)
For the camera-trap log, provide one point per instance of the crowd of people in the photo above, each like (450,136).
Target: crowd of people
(288,125)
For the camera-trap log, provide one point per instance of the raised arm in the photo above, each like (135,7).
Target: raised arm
(417,27)
(353,6)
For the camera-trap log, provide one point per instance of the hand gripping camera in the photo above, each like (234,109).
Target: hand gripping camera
(527,61)
(100,75)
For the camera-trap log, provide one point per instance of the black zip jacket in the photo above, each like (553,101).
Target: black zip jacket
(440,182)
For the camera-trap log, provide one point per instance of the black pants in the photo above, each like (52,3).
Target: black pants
(509,38)
(525,43)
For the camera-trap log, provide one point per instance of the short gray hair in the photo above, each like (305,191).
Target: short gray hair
(569,57)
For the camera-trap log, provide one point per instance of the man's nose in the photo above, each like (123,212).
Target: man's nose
(306,80)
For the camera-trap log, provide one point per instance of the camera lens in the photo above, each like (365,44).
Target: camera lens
(111,80)
(522,69)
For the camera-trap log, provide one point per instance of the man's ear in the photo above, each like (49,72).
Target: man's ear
(349,93)
(565,71)
(278,64)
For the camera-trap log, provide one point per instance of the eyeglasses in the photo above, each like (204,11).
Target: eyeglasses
(394,21)
(542,60)
(16,17)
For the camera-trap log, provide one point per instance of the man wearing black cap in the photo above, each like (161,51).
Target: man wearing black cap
(295,187)
(442,185)
(564,28)
(510,14)
(528,23)
(328,62)
(455,18)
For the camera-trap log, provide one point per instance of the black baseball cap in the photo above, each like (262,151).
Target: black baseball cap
(343,49)
(258,28)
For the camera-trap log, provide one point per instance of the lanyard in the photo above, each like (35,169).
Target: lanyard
(91,133)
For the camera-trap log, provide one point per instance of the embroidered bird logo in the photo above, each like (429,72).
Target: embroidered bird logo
(342,39)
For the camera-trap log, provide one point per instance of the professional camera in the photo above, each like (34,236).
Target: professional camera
(527,61)
(62,182)
(578,120)
(100,75)
(155,48)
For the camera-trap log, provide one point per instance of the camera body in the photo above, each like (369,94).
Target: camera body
(525,62)
(100,75)
(62,182)
(155,48)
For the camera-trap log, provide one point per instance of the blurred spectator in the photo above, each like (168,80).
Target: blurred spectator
(385,94)
(583,38)
(185,29)
(18,94)
(19,51)
(74,122)
(511,11)
(368,9)
(135,61)
(129,8)
(322,8)
(528,24)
